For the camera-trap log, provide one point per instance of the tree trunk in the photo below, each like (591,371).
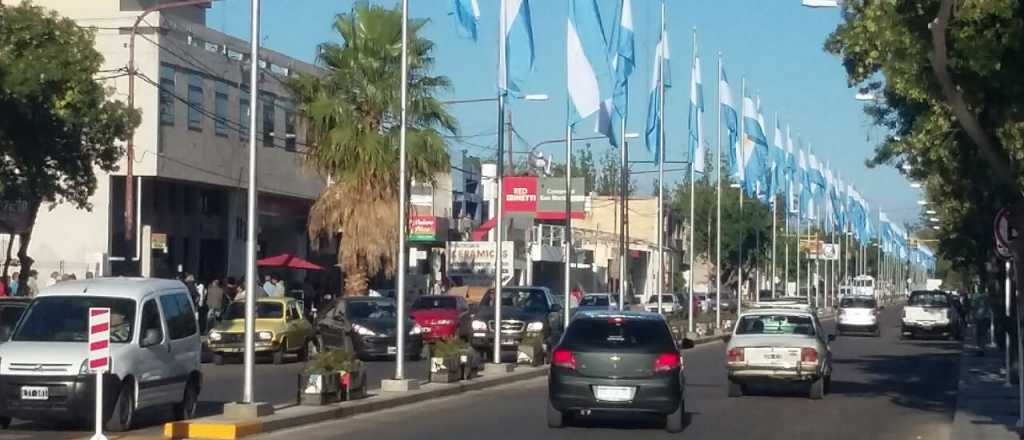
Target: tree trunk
(7,260)
(25,260)
(356,282)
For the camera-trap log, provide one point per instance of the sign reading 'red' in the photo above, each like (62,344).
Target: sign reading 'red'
(543,197)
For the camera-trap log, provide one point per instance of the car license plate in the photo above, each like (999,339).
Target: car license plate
(508,341)
(35,393)
(614,394)
(392,350)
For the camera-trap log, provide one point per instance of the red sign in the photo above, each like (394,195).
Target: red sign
(422,227)
(99,339)
(519,194)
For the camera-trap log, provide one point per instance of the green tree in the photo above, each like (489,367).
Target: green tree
(58,125)
(609,178)
(353,113)
(582,166)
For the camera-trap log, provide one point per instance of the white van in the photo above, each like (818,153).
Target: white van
(154,351)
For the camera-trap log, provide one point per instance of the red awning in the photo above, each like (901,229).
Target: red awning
(287,261)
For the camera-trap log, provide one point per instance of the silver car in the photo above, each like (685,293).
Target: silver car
(858,314)
(779,345)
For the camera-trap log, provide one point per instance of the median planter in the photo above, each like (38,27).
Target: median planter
(448,359)
(531,351)
(471,363)
(332,376)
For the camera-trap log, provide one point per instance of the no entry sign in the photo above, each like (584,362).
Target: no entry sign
(99,339)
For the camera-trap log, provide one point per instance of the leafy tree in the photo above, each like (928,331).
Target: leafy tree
(609,178)
(353,112)
(582,166)
(58,125)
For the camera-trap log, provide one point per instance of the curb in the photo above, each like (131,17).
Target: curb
(219,428)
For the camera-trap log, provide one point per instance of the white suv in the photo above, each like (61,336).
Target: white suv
(154,351)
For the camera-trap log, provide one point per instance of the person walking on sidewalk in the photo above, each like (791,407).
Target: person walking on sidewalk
(982,316)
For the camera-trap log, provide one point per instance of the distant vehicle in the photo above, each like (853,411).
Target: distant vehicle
(441,317)
(858,314)
(280,331)
(930,313)
(864,285)
(598,302)
(617,361)
(525,311)
(779,345)
(154,353)
(670,303)
(368,325)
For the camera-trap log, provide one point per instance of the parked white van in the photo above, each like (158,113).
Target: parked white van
(154,351)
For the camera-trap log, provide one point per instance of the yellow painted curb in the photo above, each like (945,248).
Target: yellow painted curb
(212,430)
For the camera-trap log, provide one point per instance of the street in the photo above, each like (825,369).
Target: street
(882,389)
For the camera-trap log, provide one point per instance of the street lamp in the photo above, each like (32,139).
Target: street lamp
(915,185)
(934,219)
(922,202)
(930,212)
(821,3)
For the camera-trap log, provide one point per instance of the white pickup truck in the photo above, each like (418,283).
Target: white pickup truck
(930,313)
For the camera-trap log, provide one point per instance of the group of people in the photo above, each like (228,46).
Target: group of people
(9,285)
(212,300)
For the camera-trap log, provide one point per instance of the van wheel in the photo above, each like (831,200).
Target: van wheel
(556,418)
(123,416)
(186,409)
(279,354)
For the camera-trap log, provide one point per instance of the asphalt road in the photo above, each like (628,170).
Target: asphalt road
(276,384)
(882,389)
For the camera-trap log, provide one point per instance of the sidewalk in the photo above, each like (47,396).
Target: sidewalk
(986,407)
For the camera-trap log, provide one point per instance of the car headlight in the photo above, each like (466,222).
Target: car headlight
(535,327)
(363,331)
(416,329)
(479,326)
(265,336)
(215,336)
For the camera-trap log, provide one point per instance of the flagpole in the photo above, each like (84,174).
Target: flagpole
(403,221)
(799,213)
(693,186)
(624,215)
(660,171)
(249,355)
(775,213)
(499,196)
(741,156)
(568,222)
(718,207)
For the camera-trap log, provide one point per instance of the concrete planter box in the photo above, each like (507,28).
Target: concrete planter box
(472,365)
(531,354)
(445,370)
(323,389)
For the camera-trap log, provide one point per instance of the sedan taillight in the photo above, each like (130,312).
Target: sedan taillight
(808,355)
(667,362)
(564,359)
(736,354)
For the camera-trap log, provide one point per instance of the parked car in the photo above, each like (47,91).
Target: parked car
(11,309)
(670,303)
(441,317)
(858,314)
(525,311)
(930,313)
(617,361)
(598,302)
(154,353)
(368,325)
(280,331)
(784,345)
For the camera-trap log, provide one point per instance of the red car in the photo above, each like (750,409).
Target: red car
(441,316)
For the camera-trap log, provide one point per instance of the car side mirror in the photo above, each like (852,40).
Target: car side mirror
(831,338)
(688,344)
(151,337)
(555,308)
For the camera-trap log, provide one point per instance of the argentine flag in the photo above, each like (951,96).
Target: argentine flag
(778,162)
(467,16)
(792,191)
(586,58)
(661,62)
(731,122)
(753,146)
(697,148)
(515,55)
(804,190)
(622,55)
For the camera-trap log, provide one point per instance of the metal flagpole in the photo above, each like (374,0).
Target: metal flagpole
(742,156)
(624,215)
(568,222)
(251,224)
(798,221)
(661,170)
(718,207)
(499,195)
(402,217)
(693,192)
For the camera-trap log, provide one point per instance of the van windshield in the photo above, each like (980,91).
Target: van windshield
(66,319)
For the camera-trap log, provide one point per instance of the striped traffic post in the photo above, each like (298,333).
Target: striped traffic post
(99,358)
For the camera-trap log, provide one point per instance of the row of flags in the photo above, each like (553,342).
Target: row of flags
(599,66)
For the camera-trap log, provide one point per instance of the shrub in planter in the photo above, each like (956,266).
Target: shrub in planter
(446,360)
(332,376)
(531,350)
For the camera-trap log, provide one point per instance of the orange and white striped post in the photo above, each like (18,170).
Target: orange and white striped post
(99,358)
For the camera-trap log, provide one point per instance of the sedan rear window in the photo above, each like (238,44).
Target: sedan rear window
(664,299)
(594,300)
(434,302)
(929,299)
(769,324)
(857,303)
(618,334)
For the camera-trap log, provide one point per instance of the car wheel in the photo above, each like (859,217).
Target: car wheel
(556,418)
(677,420)
(278,356)
(186,409)
(123,416)
(817,390)
(735,389)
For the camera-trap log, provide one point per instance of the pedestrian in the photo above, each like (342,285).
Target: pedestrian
(231,288)
(190,283)
(982,314)
(12,286)
(215,298)
(33,283)
(54,278)
(438,289)
(280,289)
(3,285)
(268,284)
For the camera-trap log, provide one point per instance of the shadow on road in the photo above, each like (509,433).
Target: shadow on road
(924,381)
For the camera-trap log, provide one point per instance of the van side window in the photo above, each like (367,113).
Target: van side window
(150,319)
(181,323)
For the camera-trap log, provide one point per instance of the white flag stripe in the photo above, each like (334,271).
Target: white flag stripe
(584,90)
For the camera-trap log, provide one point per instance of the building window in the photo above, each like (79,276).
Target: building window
(268,119)
(220,108)
(243,118)
(289,130)
(166,95)
(195,102)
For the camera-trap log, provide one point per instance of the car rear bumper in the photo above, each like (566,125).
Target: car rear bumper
(70,398)
(438,333)
(659,394)
(749,375)
(856,327)
(926,327)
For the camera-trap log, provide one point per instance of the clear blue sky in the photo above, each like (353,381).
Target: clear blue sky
(776,45)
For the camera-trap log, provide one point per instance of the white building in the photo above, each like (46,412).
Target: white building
(191,162)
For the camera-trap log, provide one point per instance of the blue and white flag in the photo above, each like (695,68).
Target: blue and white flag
(515,56)
(467,16)
(752,153)
(730,118)
(804,190)
(622,56)
(778,162)
(586,59)
(791,176)
(661,62)
(697,148)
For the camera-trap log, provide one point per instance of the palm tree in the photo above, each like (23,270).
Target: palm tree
(352,111)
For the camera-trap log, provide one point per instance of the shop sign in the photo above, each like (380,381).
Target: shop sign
(423,228)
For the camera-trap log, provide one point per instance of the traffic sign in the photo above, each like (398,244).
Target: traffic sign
(1004,233)
(99,339)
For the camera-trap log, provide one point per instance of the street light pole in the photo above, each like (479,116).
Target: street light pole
(250,233)
(402,217)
